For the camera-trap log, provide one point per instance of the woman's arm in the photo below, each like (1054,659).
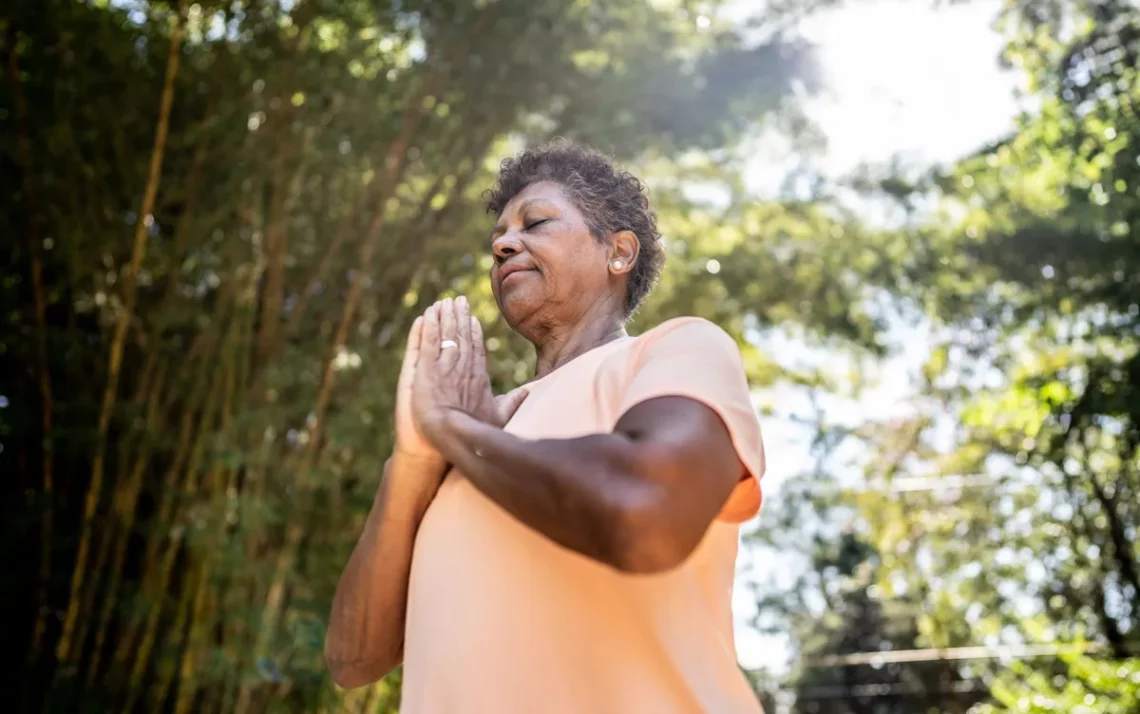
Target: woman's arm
(365,638)
(639,499)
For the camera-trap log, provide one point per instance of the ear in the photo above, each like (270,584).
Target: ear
(624,248)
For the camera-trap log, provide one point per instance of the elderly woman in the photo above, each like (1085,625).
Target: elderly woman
(568,547)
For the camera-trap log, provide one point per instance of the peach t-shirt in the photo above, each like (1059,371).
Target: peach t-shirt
(502,620)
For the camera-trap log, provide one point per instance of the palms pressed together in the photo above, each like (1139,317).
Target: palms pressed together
(437,377)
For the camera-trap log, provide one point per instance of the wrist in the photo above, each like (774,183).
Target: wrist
(411,480)
(441,424)
(421,459)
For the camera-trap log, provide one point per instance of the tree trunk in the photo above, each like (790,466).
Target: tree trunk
(66,646)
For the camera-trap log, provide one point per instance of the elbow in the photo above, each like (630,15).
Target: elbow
(355,673)
(637,559)
(642,540)
(354,676)
(346,678)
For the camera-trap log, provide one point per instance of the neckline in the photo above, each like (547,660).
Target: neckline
(577,359)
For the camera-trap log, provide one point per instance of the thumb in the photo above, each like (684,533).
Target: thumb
(510,402)
(411,356)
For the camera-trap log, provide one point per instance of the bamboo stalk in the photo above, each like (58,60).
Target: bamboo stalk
(275,250)
(125,519)
(182,230)
(158,569)
(43,373)
(393,164)
(412,250)
(294,531)
(127,497)
(65,645)
(108,534)
(173,546)
(254,472)
(190,659)
(231,627)
(325,264)
(186,439)
(344,228)
(166,669)
(200,619)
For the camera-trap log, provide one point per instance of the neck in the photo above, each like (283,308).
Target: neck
(562,344)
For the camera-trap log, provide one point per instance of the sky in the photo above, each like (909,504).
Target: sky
(915,79)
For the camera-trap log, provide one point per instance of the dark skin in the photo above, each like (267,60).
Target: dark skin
(365,638)
(638,499)
(570,298)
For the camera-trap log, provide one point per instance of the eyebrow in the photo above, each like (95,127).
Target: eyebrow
(499,228)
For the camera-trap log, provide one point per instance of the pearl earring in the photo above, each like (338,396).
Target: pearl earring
(617,265)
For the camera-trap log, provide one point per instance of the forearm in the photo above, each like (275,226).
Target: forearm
(582,493)
(366,627)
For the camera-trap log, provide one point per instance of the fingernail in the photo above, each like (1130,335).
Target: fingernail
(462,300)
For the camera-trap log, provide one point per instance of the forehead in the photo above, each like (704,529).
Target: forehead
(538,193)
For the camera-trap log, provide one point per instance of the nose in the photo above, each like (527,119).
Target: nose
(505,246)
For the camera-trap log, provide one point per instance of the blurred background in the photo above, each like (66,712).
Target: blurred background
(919,219)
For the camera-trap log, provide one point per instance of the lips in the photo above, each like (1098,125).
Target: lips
(508,270)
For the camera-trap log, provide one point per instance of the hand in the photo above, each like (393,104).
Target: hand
(451,374)
(410,441)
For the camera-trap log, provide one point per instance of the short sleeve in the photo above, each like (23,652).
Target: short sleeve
(691,357)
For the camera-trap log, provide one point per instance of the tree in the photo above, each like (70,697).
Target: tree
(1023,424)
(1049,227)
(1083,686)
(228,213)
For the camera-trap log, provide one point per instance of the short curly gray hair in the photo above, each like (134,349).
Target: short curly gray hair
(610,199)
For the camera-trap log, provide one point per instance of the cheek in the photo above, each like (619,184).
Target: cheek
(572,264)
(585,270)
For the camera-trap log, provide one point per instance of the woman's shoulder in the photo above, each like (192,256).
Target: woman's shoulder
(687,328)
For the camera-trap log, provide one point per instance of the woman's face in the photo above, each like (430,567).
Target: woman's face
(549,269)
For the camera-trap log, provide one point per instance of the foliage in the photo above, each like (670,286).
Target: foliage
(1086,686)
(1040,352)
(227,213)
(224,215)
(1022,427)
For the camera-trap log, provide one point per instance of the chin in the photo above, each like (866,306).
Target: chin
(516,306)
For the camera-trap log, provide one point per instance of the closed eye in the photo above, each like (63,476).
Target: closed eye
(535,224)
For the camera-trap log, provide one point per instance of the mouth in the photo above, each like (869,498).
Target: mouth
(510,271)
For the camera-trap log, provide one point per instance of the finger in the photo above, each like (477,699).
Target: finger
(411,353)
(463,330)
(510,402)
(429,338)
(478,350)
(447,356)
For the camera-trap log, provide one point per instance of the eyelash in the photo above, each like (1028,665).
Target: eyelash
(537,224)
